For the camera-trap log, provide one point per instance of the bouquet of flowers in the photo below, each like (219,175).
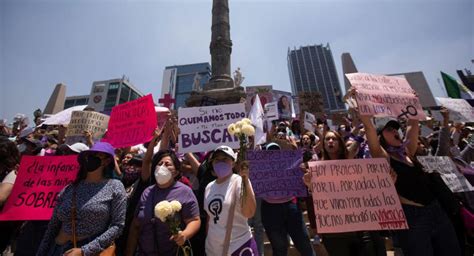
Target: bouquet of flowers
(242,129)
(167,212)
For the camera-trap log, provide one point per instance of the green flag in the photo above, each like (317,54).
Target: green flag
(451,85)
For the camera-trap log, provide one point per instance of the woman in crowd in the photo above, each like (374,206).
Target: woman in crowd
(430,232)
(90,213)
(349,243)
(227,212)
(154,235)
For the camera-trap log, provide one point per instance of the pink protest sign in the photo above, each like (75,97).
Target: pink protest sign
(379,96)
(36,189)
(355,195)
(132,123)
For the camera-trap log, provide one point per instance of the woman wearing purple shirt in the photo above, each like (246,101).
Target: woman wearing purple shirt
(155,237)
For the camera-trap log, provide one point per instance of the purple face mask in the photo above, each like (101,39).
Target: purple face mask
(222,169)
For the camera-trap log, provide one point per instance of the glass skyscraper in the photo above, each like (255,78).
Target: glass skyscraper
(178,80)
(312,69)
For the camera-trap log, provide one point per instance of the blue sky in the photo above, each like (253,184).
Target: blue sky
(77,42)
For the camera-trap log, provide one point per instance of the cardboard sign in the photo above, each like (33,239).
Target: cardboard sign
(81,121)
(309,120)
(386,96)
(205,128)
(276,173)
(132,123)
(355,195)
(271,111)
(459,110)
(450,174)
(39,181)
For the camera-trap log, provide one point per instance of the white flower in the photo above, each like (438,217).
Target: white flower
(239,124)
(246,121)
(231,129)
(237,131)
(163,209)
(248,130)
(176,206)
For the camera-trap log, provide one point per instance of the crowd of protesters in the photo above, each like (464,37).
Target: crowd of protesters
(112,201)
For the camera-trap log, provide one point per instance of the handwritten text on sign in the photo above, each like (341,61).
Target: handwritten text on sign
(205,128)
(132,123)
(94,122)
(355,195)
(460,109)
(385,96)
(443,165)
(39,181)
(276,173)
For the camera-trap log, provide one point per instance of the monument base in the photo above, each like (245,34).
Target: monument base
(216,97)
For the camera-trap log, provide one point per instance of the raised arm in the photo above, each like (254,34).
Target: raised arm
(413,130)
(146,165)
(443,136)
(375,148)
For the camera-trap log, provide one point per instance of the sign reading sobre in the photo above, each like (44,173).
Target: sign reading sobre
(36,189)
(205,128)
(276,173)
(385,96)
(94,122)
(132,123)
(459,109)
(448,171)
(355,195)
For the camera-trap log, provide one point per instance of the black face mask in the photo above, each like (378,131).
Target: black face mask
(92,163)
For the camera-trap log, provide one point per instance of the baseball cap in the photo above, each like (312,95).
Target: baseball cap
(227,150)
(272,146)
(387,122)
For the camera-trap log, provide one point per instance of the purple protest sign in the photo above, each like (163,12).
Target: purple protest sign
(276,173)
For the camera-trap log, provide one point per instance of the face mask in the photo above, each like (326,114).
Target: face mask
(162,175)
(222,169)
(92,163)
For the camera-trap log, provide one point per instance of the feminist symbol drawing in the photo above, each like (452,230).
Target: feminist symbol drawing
(410,110)
(215,207)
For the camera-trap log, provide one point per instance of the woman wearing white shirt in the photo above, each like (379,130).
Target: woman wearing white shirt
(222,201)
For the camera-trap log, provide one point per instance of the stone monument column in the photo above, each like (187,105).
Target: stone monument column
(220,47)
(220,89)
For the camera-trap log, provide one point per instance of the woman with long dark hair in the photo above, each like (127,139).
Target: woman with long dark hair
(360,243)
(99,204)
(430,232)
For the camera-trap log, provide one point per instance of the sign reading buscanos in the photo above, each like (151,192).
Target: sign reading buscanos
(132,123)
(379,96)
(37,186)
(355,195)
(94,122)
(276,173)
(204,128)
(459,109)
(448,171)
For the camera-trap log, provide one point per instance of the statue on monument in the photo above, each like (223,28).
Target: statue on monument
(238,78)
(197,83)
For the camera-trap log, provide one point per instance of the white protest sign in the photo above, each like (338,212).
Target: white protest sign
(309,120)
(379,95)
(459,109)
(271,111)
(205,128)
(448,171)
(94,122)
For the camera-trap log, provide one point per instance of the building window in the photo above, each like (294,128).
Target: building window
(124,94)
(134,96)
(111,96)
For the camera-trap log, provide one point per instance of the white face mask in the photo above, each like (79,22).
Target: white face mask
(162,175)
